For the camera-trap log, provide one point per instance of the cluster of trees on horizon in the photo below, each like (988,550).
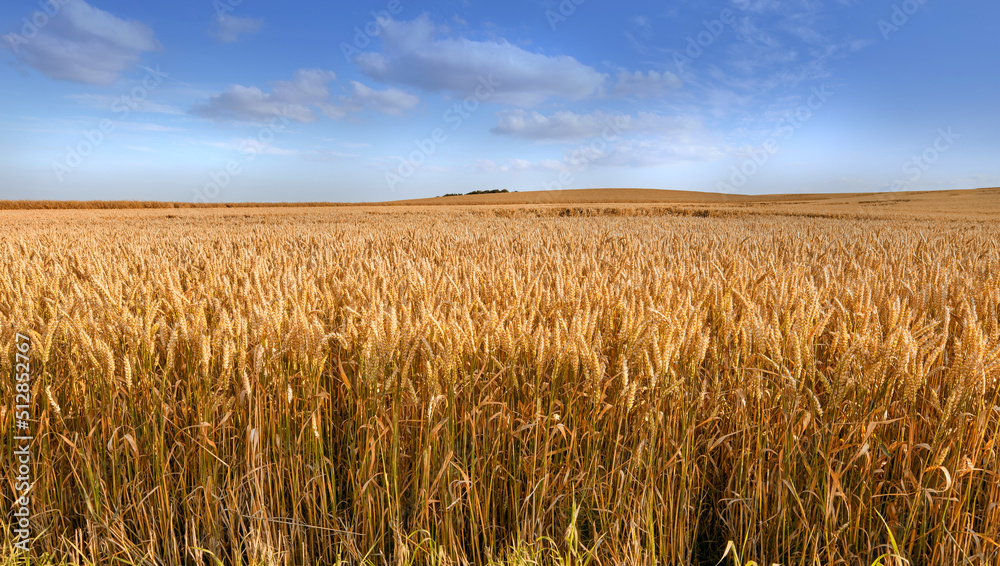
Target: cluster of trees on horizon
(490,192)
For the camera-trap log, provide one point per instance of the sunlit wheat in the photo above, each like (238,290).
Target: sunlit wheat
(474,385)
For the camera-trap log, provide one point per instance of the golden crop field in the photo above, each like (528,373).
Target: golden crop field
(435,385)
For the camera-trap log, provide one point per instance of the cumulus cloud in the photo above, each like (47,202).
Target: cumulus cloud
(599,139)
(414,54)
(300,99)
(561,126)
(645,85)
(83,44)
(390,101)
(228,29)
(570,126)
(294,100)
(656,151)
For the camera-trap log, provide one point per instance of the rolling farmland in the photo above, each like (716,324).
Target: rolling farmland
(791,381)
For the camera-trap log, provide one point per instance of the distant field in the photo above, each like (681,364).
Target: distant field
(976,202)
(602,196)
(960,202)
(789,380)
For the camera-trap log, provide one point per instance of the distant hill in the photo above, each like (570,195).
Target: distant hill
(599,196)
(973,202)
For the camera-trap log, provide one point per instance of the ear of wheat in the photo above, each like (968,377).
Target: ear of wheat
(537,385)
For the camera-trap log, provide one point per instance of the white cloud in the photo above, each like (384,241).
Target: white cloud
(299,99)
(657,151)
(414,55)
(569,126)
(293,100)
(608,140)
(561,126)
(84,44)
(389,101)
(650,152)
(645,85)
(228,29)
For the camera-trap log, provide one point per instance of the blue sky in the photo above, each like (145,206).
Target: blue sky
(246,100)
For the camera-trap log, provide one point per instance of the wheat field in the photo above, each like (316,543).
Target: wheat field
(458,386)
